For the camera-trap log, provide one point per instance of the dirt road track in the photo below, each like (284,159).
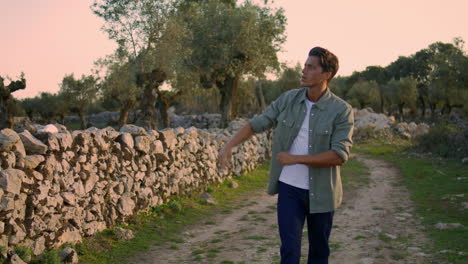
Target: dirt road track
(377,225)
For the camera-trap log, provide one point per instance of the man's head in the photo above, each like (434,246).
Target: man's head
(320,66)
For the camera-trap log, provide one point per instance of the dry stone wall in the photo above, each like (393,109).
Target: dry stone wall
(60,187)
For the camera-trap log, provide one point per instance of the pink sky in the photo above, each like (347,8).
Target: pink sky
(48,39)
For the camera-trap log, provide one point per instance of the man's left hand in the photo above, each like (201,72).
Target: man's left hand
(284,158)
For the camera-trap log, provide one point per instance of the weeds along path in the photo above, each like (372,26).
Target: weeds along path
(375,225)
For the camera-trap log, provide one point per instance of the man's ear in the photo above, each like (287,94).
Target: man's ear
(328,75)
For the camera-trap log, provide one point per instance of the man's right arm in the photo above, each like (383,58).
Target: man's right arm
(255,125)
(242,135)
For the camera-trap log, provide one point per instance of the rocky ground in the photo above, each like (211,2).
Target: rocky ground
(375,225)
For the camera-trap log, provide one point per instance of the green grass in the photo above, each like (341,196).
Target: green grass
(429,181)
(255,238)
(354,175)
(198,251)
(165,223)
(359,237)
(216,240)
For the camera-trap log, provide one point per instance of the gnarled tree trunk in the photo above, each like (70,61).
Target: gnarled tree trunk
(150,81)
(228,91)
(165,99)
(82,117)
(125,112)
(6,101)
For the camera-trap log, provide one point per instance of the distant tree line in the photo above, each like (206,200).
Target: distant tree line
(214,56)
(433,78)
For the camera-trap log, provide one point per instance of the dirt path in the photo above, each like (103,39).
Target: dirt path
(375,226)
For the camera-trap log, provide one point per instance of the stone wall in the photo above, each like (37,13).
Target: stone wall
(60,187)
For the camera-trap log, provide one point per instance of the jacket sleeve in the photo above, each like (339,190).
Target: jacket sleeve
(268,118)
(341,140)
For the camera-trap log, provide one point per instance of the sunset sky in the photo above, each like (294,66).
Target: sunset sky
(48,39)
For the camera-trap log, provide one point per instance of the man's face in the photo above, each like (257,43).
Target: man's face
(312,73)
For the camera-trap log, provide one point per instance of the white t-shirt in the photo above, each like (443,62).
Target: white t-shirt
(297,175)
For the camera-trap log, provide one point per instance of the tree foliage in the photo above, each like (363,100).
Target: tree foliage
(402,93)
(151,35)
(243,40)
(79,94)
(365,92)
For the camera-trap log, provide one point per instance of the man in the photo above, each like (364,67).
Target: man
(312,139)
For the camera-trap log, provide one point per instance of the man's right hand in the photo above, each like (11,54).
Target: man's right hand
(224,157)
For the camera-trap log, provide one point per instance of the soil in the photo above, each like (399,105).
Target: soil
(376,224)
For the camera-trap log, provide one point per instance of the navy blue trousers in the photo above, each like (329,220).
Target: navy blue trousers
(293,209)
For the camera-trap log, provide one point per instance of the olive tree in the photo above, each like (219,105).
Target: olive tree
(365,92)
(7,104)
(402,93)
(229,41)
(151,35)
(79,94)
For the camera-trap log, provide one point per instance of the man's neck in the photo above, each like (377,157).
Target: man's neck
(315,92)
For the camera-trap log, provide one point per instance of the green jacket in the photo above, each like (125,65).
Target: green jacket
(330,128)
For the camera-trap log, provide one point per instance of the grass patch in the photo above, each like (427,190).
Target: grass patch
(428,189)
(164,223)
(259,219)
(334,246)
(176,240)
(198,252)
(261,250)
(244,218)
(255,238)
(354,175)
(173,247)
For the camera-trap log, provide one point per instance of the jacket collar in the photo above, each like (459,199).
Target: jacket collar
(322,102)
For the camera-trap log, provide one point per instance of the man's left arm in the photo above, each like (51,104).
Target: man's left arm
(341,142)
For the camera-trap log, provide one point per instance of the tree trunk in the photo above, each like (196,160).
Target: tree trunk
(433,108)
(149,115)
(124,113)
(61,119)
(3,113)
(400,110)
(163,106)
(165,99)
(123,118)
(260,97)
(151,82)
(446,109)
(235,98)
(82,120)
(423,106)
(6,113)
(449,109)
(11,114)
(381,102)
(226,89)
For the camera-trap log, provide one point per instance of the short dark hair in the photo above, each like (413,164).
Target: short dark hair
(328,61)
